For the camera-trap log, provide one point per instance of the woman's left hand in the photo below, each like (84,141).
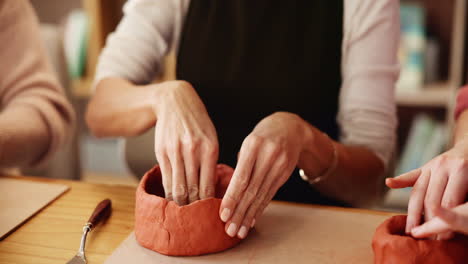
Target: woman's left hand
(267,158)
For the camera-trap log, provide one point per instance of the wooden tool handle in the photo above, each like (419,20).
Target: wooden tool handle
(101,213)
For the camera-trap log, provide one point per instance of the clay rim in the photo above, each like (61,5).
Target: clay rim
(395,230)
(151,178)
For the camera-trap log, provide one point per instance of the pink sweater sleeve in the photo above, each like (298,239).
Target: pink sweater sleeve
(462,101)
(26,77)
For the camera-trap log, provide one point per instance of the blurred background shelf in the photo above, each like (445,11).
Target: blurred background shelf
(81,88)
(435,41)
(432,95)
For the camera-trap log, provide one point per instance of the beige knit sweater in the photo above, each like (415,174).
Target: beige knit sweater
(35,117)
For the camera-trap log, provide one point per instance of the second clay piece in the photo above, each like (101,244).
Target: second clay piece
(392,245)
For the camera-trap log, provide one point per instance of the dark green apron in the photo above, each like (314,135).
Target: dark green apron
(248,59)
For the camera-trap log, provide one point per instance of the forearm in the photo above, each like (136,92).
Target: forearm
(24,137)
(119,108)
(355,179)
(36,117)
(461,129)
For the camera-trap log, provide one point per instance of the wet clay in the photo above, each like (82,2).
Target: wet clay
(392,245)
(170,229)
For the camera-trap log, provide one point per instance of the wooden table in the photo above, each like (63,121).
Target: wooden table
(53,235)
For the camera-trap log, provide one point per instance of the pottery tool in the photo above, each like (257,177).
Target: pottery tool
(100,214)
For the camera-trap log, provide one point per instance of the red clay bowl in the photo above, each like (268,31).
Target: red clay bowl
(188,230)
(391,245)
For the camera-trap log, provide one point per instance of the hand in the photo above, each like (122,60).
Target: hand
(455,219)
(442,182)
(266,160)
(186,144)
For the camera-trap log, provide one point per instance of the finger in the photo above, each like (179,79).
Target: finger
(454,195)
(166,172)
(433,227)
(263,198)
(209,158)
(445,235)
(240,179)
(404,180)
(192,165)
(179,184)
(456,218)
(259,172)
(455,192)
(416,202)
(267,200)
(434,193)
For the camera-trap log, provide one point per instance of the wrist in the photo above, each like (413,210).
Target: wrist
(162,95)
(319,153)
(310,135)
(460,147)
(461,139)
(299,127)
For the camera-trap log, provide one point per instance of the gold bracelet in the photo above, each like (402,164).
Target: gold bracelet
(327,173)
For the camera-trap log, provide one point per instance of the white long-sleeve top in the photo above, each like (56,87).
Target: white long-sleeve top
(367,111)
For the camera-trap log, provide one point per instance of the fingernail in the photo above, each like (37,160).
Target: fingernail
(253,224)
(242,232)
(225,214)
(231,231)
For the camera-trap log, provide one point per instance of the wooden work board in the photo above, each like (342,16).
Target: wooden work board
(286,233)
(20,200)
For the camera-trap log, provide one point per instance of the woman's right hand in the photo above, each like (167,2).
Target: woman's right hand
(186,144)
